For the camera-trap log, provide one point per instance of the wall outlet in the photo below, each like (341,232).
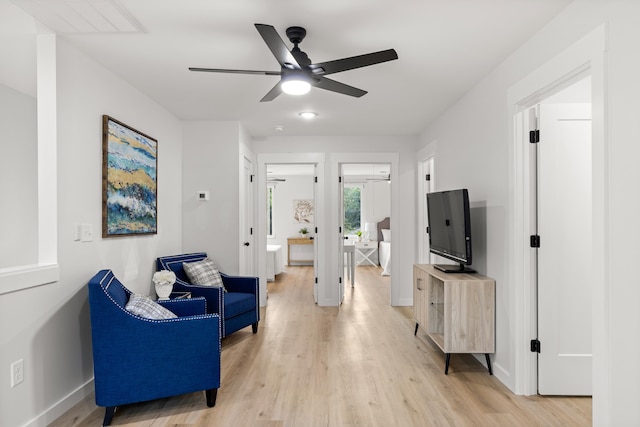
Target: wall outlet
(203,195)
(17,372)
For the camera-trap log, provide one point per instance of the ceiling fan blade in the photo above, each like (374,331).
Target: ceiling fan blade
(359,61)
(223,70)
(334,86)
(277,46)
(272,94)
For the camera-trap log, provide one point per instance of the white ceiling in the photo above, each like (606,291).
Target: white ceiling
(444,47)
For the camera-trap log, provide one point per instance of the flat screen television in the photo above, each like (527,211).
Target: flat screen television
(450,229)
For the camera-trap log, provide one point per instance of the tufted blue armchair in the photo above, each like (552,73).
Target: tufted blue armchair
(137,359)
(239,307)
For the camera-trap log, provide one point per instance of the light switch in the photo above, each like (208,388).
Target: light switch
(77,232)
(87,232)
(203,195)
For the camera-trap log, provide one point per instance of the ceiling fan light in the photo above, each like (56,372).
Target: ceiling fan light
(308,115)
(295,87)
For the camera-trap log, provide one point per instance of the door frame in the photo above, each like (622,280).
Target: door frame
(587,54)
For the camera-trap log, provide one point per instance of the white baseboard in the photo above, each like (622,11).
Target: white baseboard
(62,406)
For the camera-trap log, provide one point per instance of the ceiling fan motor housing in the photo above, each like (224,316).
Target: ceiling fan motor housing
(296,34)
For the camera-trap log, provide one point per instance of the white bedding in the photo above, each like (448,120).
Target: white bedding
(384,251)
(275,262)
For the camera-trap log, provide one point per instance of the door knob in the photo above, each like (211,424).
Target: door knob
(246,243)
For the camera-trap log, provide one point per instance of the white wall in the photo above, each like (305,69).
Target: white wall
(377,203)
(475,156)
(18,177)
(50,327)
(211,152)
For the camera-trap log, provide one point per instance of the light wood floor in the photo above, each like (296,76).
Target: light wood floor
(357,365)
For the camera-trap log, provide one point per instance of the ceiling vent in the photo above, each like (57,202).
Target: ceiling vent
(81,16)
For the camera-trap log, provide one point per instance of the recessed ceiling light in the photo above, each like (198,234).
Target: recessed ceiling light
(278,128)
(308,115)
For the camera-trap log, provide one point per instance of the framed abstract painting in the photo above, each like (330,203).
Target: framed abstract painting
(129,180)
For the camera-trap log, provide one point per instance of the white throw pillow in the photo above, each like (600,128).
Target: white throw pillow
(203,273)
(143,306)
(386,235)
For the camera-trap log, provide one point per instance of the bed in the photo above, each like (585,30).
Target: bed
(275,262)
(384,245)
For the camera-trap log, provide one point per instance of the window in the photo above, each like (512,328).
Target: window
(270,204)
(352,208)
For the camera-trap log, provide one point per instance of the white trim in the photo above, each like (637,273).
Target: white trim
(46,271)
(59,408)
(587,53)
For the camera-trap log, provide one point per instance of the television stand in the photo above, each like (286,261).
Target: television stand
(452,268)
(457,311)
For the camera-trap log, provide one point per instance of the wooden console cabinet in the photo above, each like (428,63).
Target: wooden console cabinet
(456,310)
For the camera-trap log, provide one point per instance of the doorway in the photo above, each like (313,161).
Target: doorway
(365,215)
(290,220)
(584,57)
(561,212)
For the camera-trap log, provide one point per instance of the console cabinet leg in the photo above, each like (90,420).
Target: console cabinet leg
(446,363)
(486,355)
(416,331)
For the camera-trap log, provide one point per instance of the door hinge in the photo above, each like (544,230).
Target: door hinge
(316,280)
(427,177)
(251,231)
(534,241)
(339,179)
(535,346)
(315,179)
(250,178)
(427,230)
(316,230)
(534,136)
(340,230)
(339,279)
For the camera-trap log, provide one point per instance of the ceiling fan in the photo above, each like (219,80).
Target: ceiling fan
(298,74)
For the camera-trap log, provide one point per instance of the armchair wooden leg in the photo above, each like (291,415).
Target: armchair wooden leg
(211,397)
(254,327)
(108,414)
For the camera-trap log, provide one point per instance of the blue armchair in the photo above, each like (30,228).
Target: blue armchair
(137,359)
(238,308)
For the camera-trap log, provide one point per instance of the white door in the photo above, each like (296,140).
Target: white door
(246,220)
(315,234)
(428,185)
(564,257)
(341,234)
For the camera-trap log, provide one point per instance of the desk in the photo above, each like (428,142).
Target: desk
(297,241)
(367,252)
(351,263)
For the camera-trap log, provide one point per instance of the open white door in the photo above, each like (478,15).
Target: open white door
(564,258)
(246,220)
(427,181)
(315,234)
(341,234)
